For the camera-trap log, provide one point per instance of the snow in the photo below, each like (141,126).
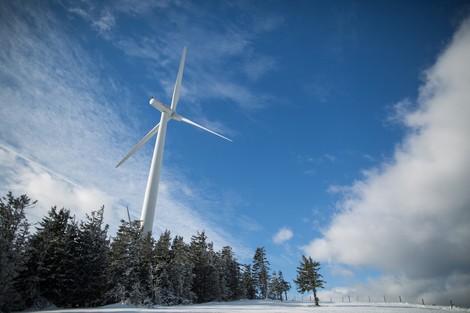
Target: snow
(248,306)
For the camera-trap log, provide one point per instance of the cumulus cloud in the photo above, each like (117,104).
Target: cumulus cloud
(22,175)
(409,218)
(284,234)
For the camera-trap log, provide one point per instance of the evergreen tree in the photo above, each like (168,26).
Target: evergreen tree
(63,256)
(261,272)
(275,292)
(214,284)
(205,276)
(147,269)
(93,249)
(163,287)
(248,283)
(278,286)
(230,270)
(14,230)
(308,277)
(52,270)
(73,264)
(69,271)
(125,266)
(223,289)
(162,248)
(285,286)
(181,272)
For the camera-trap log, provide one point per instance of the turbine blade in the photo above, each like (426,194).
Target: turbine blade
(176,91)
(140,144)
(183,119)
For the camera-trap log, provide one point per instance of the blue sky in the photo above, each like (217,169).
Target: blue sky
(349,121)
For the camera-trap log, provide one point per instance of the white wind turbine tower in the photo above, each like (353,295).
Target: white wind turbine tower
(168,113)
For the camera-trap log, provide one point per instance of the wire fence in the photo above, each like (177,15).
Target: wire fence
(363,299)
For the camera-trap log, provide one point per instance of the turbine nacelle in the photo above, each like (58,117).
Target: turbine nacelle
(160,106)
(174,116)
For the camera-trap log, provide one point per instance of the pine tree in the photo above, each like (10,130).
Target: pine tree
(212,275)
(223,291)
(205,276)
(248,283)
(308,277)
(147,269)
(230,270)
(162,248)
(69,272)
(163,286)
(51,269)
(261,272)
(164,289)
(181,272)
(285,286)
(275,292)
(278,286)
(124,264)
(93,253)
(14,230)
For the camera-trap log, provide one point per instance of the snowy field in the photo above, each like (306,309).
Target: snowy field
(248,306)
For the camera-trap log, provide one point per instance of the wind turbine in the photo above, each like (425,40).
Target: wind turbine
(168,113)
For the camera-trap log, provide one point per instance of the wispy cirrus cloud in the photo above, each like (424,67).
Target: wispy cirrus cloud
(61,136)
(415,207)
(231,46)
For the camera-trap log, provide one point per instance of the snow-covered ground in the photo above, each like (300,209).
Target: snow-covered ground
(267,306)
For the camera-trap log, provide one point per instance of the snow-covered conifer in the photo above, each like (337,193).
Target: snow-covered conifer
(231,273)
(93,253)
(260,272)
(248,283)
(205,277)
(51,268)
(181,268)
(124,263)
(14,230)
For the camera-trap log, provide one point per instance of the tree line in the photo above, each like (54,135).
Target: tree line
(72,263)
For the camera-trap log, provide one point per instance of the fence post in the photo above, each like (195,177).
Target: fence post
(385,300)
(399,298)
(422,300)
(451,304)
(369,299)
(349,299)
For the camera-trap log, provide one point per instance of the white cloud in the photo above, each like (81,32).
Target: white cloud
(105,23)
(100,20)
(341,271)
(394,287)
(23,176)
(409,218)
(284,234)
